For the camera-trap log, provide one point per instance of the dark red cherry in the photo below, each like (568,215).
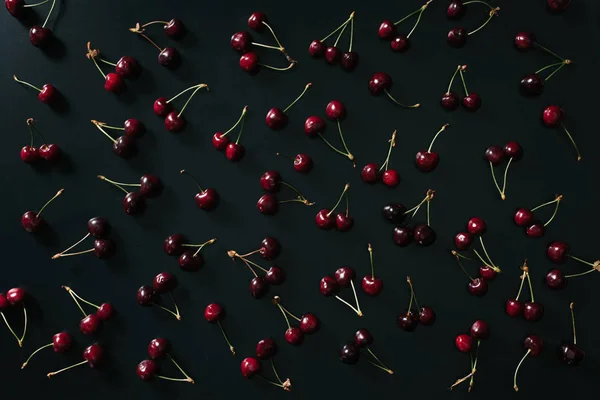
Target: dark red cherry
(472,102)
(214,312)
(270,248)
(124,146)
(207,199)
(128,67)
(480,330)
(426,315)
(314,125)
(276,119)
(407,321)
(40,36)
(162,107)
(235,152)
(533,311)
(275,276)
(16,8)
(114,83)
(371,285)
(391,178)
(487,273)
(555,279)
(349,354)
(450,101)
(535,344)
(190,261)
(173,245)
(150,186)
(363,338)
(94,355)
(175,29)
(134,203)
(456,9)
(169,57)
(427,161)
(343,222)
(158,348)
(309,323)
(387,30)
(532,85)
(164,282)
(134,127)
(61,342)
(478,287)
(400,43)
(268,204)
(50,152)
(31,222)
(463,240)
(174,122)
(324,220)
(524,40)
(514,307)
(370,173)
(536,229)
(349,60)
(250,366)
(105,311)
(557,252)
(15,296)
(98,227)
(495,155)
(558,6)
(294,336)
(270,181)
(255,21)
(145,295)
(395,213)
(48,95)
(328,286)
(513,150)
(219,141)
(258,287)
(147,369)
(464,343)
(266,348)
(424,235)
(249,61)
(335,110)
(523,217)
(240,41)
(316,49)
(29,154)
(379,83)
(302,163)
(104,248)
(553,116)
(457,37)
(344,275)
(4,304)
(89,324)
(402,236)
(570,353)
(332,55)
(476,226)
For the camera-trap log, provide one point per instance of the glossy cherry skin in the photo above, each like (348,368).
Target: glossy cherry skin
(268,204)
(173,245)
(15,296)
(400,43)
(276,119)
(553,116)
(536,229)
(535,344)
(457,37)
(235,152)
(169,57)
(379,83)
(266,348)
(114,83)
(250,366)
(98,227)
(4,304)
(343,222)
(424,235)
(371,285)
(124,146)
(50,152)
(370,173)
(363,338)
(269,248)
(128,67)
(162,107)
(240,41)
(175,29)
(532,85)
(349,354)
(164,282)
(314,125)
(514,307)
(456,9)
(31,222)
(395,213)
(487,273)
(476,226)
(524,40)
(324,220)
(309,323)
(316,49)
(328,286)
(533,311)
(495,155)
(214,312)
(249,61)
(94,355)
(40,36)
(145,295)
(294,336)
(16,8)
(219,141)
(472,102)
(523,217)
(463,240)
(189,261)
(270,181)
(48,95)
(332,55)
(158,348)
(147,369)
(256,21)
(335,110)
(275,276)
(105,311)
(61,342)
(349,60)
(150,186)
(134,203)
(104,248)
(303,163)
(174,122)
(402,236)
(387,30)
(558,6)
(89,324)
(513,150)
(478,287)
(344,275)
(480,330)
(29,154)
(207,199)
(391,178)
(464,343)
(557,252)
(407,321)
(555,279)
(570,354)
(427,161)
(426,315)
(450,101)
(258,287)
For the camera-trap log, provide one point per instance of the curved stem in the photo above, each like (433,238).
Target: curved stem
(400,104)
(26,83)
(462,78)
(502,194)
(113,127)
(64,251)
(472,380)
(273,33)
(358,312)
(211,241)
(416,208)
(494,267)
(410,15)
(266,46)
(36,4)
(285,387)
(98,67)
(59,255)
(340,199)
(377,359)
(351,34)
(244,261)
(287,321)
(103,178)
(557,69)
(231,348)
(30,125)
(477,1)
(572,142)
(50,201)
(154,22)
(275,371)
(184,91)
(11,329)
(97,124)
(530,288)
(49,12)
(298,200)
(340,35)
(34,353)
(517,371)
(256,265)
(370,249)
(251,253)
(582,273)
(423,7)
(389,371)
(308,85)
(355,298)
(51,374)
(288,312)
(453,77)
(190,98)
(582,261)
(492,14)
(573,323)
(178,317)
(338,28)
(151,41)
(412,294)
(166,378)
(238,121)
(180,369)
(461,266)
(241,128)
(350,156)
(278,68)
(389,153)
(78,305)
(436,136)
(548,51)
(24,326)
(461,380)
(557,199)
(562,63)
(521,285)
(553,214)
(82,299)
(494,178)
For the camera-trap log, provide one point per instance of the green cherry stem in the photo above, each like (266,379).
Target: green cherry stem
(26,83)
(36,4)
(349,154)
(456,255)
(277,301)
(420,10)
(530,288)
(92,54)
(339,200)
(351,34)
(287,321)
(494,178)
(370,249)
(187,378)
(78,304)
(63,253)
(523,277)
(492,14)
(491,263)
(200,86)
(50,201)
(34,353)
(572,141)
(244,110)
(547,50)
(503,192)
(51,374)
(72,292)
(19,342)
(557,200)
(103,178)
(462,78)
(392,145)
(233,254)
(392,98)
(278,68)
(573,322)
(472,380)
(454,76)
(154,22)
(140,31)
(442,129)
(562,64)
(428,197)
(338,28)
(308,85)
(280,48)
(49,12)
(517,370)
(342,30)
(100,125)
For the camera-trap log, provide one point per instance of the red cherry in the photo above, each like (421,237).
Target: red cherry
(464,343)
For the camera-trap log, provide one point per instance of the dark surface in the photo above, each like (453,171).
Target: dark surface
(425,361)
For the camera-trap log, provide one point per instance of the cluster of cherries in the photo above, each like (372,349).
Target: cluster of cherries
(404,234)
(400,42)
(333,55)
(268,250)
(479,331)
(163,107)
(159,349)
(343,222)
(163,283)
(350,353)
(189,260)
(525,218)
(93,355)
(344,278)
(168,56)
(251,366)
(372,173)
(104,246)
(243,43)
(33,221)
(47,94)
(234,151)
(496,155)
(408,320)
(308,323)
(531,310)
(39,35)
(125,145)
(126,68)
(558,252)
(31,154)
(214,313)
(457,37)
(450,100)
(13,298)
(268,203)
(91,323)
(135,202)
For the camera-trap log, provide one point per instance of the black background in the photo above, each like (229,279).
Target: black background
(425,361)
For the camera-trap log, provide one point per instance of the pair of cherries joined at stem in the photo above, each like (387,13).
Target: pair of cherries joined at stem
(93,355)
(525,218)
(39,35)
(242,42)
(124,146)
(405,234)
(400,42)
(169,56)
(163,283)
(532,85)
(32,221)
(496,155)
(149,369)
(91,323)
(479,331)
(333,55)
(558,252)
(188,259)
(408,320)
(308,324)
(457,37)
(214,313)
(234,151)
(206,199)
(13,298)
(104,246)
(344,278)
(531,310)
(251,366)
(314,126)
(30,154)
(48,94)
(277,119)
(342,221)
(381,82)
(135,202)
(271,182)
(553,117)
(450,100)
(126,68)
(372,173)
(61,343)
(351,352)
(174,121)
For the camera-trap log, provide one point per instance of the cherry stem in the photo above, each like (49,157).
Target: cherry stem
(183,91)
(308,85)
(582,261)
(154,22)
(278,68)
(392,144)
(151,41)
(251,253)
(231,348)
(420,11)
(454,76)
(287,321)
(461,380)
(36,4)
(472,380)
(300,196)
(351,35)
(183,171)
(410,15)
(174,313)
(412,295)
(109,63)
(118,128)
(166,378)
(238,121)
(72,254)
(400,104)
(188,379)
(50,201)
(495,180)
(494,267)
(20,343)
(340,199)
(456,255)
(338,28)
(562,64)
(233,254)
(355,298)
(370,249)
(573,322)
(255,265)
(462,78)
(266,46)
(51,374)
(492,14)
(275,371)
(119,183)
(32,129)
(416,208)
(202,85)
(103,178)
(61,254)
(389,371)
(357,311)
(436,135)
(530,288)
(96,64)
(558,199)
(280,48)
(548,51)
(241,125)
(525,273)
(26,83)
(581,274)
(349,156)
(340,34)
(462,256)
(572,141)
(283,386)
(502,194)
(99,126)
(68,289)
(517,370)
(78,305)
(288,312)
(49,12)
(200,246)
(347,205)
(32,354)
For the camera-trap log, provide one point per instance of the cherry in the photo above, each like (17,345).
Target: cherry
(424,235)
(133,202)
(552,117)
(371,284)
(250,366)
(407,321)
(555,279)
(387,30)
(277,119)
(472,102)
(266,348)
(533,311)
(426,315)
(456,9)
(450,101)
(145,295)
(270,248)
(4,304)
(480,330)
(568,352)
(324,218)
(128,67)
(309,323)
(463,240)
(206,199)
(169,57)
(395,213)
(175,29)
(524,40)
(275,276)
(29,154)
(241,41)
(536,229)
(523,217)
(215,313)
(114,83)
(158,348)
(328,286)
(476,226)
(457,37)
(294,336)
(332,55)
(173,245)
(164,282)
(558,6)
(40,36)
(349,60)
(48,94)
(534,346)
(104,248)
(15,296)
(344,276)
(391,178)
(32,221)
(514,307)
(147,370)
(487,273)
(249,61)
(464,343)
(258,287)
(370,173)
(221,142)
(268,204)
(335,110)
(92,355)
(50,152)
(478,287)
(314,125)
(427,160)
(349,354)
(363,338)
(235,152)
(316,49)
(61,342)
(381,82)
(402,236)
(400,43)
(532,85)
(557,252)
(105,311)
(99,227)
(16,8)
(303,163)
(89,324)
(162,107)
